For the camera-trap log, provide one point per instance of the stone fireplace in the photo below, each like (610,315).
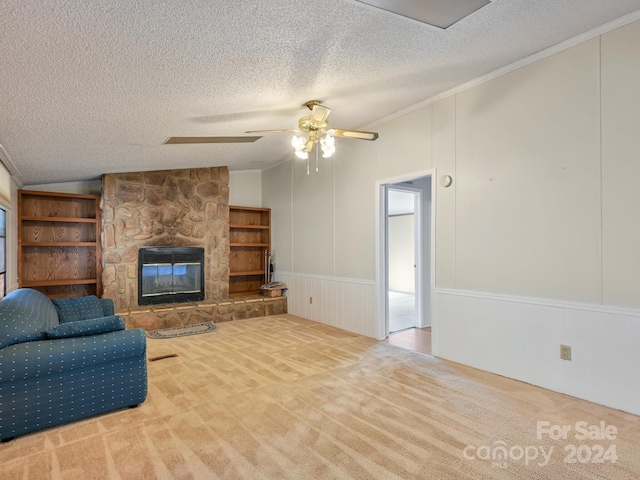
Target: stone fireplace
(169,208)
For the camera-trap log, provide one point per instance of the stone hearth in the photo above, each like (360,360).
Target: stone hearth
(177,315)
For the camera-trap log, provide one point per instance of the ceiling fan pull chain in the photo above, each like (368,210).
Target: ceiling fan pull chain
(317,161)
(307,165)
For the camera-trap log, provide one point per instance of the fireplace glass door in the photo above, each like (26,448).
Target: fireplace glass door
(170,275)
(170,279)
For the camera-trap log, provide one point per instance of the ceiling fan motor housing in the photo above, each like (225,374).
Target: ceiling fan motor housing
(317,126)
(306,124)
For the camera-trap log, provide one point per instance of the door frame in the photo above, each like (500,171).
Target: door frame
(381,241)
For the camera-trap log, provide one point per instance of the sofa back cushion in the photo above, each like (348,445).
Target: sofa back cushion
(25,314)
(79,308)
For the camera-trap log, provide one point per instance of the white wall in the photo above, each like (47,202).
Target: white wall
(621,166)
(528,180)
(92,187)
(277,183)
(12,241)
(245,188)
(536,239)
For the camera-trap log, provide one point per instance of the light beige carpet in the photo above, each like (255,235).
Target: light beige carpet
(283,397)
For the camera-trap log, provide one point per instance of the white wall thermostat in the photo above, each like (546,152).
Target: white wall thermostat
(446,180)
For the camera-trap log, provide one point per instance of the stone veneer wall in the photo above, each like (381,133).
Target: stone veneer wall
(168,208)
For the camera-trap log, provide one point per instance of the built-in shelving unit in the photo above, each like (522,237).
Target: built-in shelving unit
(250,242)
(59,243)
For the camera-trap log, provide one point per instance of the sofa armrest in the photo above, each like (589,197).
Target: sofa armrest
(93,326)
(32,359)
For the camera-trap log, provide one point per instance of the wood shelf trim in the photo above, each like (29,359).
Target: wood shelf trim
(51,283)
(30,218)
(72,196)
(246,226)
(249,245)
(247,274)
(249,209)
(245,293)
(59,244)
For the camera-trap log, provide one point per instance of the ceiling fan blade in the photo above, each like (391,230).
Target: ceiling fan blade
(336,132)
(271,131)
(319,114)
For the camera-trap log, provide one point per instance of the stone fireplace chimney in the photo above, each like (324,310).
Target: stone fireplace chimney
(169,208)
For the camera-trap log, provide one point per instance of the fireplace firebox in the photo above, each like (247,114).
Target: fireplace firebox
(170,275)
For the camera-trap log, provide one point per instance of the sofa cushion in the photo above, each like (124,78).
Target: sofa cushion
(92,326)
(25,314)
(78,308)
(50,357)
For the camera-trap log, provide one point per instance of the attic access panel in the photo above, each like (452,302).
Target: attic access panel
(439,13)
(189,140)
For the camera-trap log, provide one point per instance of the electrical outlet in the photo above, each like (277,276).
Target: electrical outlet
(565,352)
(310,299)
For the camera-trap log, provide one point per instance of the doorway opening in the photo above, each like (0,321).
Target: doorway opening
(405,230)
(402,230)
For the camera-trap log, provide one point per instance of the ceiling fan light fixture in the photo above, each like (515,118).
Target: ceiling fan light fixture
(328,145)
(314,129)
(300,146)
(298,142)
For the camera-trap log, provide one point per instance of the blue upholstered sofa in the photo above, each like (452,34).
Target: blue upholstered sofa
(64,360)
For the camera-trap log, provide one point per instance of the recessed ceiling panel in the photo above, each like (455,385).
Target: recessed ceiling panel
(439,13)
(187,140)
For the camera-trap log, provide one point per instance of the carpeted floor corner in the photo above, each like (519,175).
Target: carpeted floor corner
(283,397)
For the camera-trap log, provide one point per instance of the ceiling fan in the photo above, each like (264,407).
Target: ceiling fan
(318,131)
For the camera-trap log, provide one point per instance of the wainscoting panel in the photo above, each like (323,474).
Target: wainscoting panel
(520,338)
(340,302)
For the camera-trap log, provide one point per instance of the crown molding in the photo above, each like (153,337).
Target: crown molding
(8,162)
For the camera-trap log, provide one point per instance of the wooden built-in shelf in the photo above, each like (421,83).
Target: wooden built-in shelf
(66,281)
(248,227)
(244,274)
(59,244)
(59,236)
(29,218)
(250,243)
(238,244)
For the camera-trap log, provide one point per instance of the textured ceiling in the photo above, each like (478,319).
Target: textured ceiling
(93,87)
